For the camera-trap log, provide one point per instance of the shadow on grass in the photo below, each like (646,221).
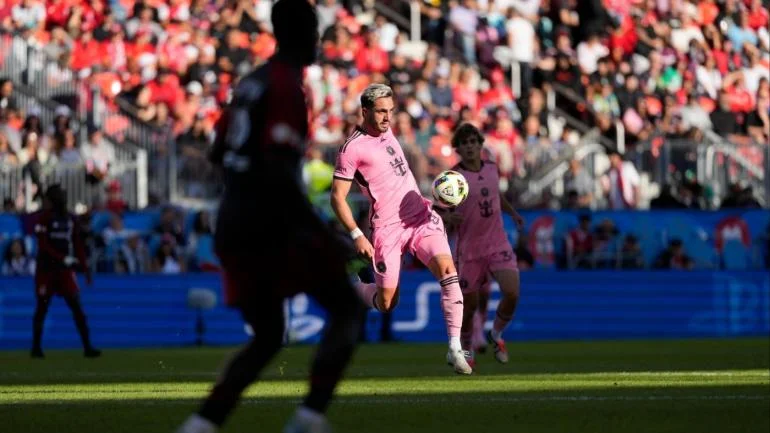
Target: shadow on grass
(724,409)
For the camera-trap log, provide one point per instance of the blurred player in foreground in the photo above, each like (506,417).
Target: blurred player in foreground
(482,245)
(61,251)
(271,243)
(401,218)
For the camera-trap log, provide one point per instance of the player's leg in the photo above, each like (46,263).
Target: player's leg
(243,369)
(480,317)
(472,274)
(383,295)
(81,323)
(43,301)
(430,245)
(346,312)
(507,276)
(255,294)
(71,293)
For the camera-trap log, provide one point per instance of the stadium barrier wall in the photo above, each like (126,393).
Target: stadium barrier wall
(146,311)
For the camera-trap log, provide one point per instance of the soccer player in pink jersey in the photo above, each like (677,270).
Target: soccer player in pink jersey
(482,245)
(401,218)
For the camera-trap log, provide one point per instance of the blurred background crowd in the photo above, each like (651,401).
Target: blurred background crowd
(586,104)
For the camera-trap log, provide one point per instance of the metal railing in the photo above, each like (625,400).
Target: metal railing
(149,148)
(17,183)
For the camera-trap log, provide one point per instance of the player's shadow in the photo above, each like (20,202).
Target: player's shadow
(611,408)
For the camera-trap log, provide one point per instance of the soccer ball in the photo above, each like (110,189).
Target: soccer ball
(450,189)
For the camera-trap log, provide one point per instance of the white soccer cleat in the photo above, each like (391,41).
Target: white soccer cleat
(457,359)
(197,424)
(307,421)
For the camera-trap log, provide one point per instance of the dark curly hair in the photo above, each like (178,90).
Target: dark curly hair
(465,131)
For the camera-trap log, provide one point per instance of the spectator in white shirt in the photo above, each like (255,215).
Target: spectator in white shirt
(98,155)
(521,40)
(589,52)
(621,184)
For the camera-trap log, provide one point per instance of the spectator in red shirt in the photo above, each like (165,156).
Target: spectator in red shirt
(372,58)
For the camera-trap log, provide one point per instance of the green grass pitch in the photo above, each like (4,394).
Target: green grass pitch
(718,386)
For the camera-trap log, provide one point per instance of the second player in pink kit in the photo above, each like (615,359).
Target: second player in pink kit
(401,218)
(483,249)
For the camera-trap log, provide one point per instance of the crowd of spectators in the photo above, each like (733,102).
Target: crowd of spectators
(672,68)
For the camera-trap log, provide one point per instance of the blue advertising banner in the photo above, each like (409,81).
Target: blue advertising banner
(144,311)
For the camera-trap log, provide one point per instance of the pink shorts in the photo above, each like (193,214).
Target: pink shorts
(424,241)
(475,274)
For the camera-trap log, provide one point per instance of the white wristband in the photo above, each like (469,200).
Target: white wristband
(356,233)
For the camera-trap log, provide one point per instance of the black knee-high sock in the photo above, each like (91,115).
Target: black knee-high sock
(246,365)
(41,309)
(79,316)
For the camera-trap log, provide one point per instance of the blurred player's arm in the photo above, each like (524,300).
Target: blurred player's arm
(508,208)
(80,252)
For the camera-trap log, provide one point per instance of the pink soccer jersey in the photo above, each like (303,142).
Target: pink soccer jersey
(481,232)
(379,167)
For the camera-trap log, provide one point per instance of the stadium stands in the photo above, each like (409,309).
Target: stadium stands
(117,100)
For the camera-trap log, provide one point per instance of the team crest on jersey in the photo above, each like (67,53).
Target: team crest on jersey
(390,150)
(485,192)
(381,268)
(398,166)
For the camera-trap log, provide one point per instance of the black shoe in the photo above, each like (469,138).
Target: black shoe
(37,353)
(92,353)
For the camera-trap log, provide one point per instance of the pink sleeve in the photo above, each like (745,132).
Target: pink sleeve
(347,163)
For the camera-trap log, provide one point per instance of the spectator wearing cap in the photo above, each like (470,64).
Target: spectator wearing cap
(621,183)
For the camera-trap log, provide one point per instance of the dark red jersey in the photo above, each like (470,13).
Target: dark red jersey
(260,142)
(58,237)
